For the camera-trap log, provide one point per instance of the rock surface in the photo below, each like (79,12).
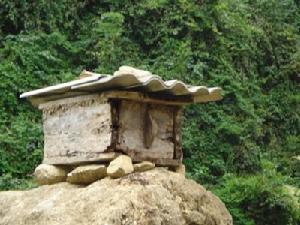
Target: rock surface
(120,166)
(143,166)
(180,169)
(49,174)
(155,197)
(86,174)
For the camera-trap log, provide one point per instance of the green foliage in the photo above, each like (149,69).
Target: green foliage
(7,182)
(27,64)
(249,48)
(260,199)
(42,15)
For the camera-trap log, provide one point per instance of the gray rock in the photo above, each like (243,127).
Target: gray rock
(87,174)
(49,174)
(120,166)
(143,166)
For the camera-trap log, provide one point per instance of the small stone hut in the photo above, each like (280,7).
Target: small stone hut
(98,117)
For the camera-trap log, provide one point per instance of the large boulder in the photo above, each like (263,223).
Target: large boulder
(86,174)
(120,166)
(49,174)
(154,197)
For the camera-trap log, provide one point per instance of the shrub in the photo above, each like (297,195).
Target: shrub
(7,182)
(260,199)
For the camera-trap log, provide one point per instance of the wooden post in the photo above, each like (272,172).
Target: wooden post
(177,113)
(115,125)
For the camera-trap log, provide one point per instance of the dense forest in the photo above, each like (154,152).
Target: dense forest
(245,148)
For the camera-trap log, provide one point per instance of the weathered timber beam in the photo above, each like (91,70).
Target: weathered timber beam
(36,101)
(177,112)
(66,160)
(141,97)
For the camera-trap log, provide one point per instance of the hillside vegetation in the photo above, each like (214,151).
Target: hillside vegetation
(243,148)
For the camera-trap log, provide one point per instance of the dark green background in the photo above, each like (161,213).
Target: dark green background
(241,147)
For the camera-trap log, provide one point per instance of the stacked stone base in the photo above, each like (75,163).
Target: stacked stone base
(86,174)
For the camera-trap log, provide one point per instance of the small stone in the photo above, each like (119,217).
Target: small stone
(143,166)
(87,174)
(49,174)
(120,166)
(180,169)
